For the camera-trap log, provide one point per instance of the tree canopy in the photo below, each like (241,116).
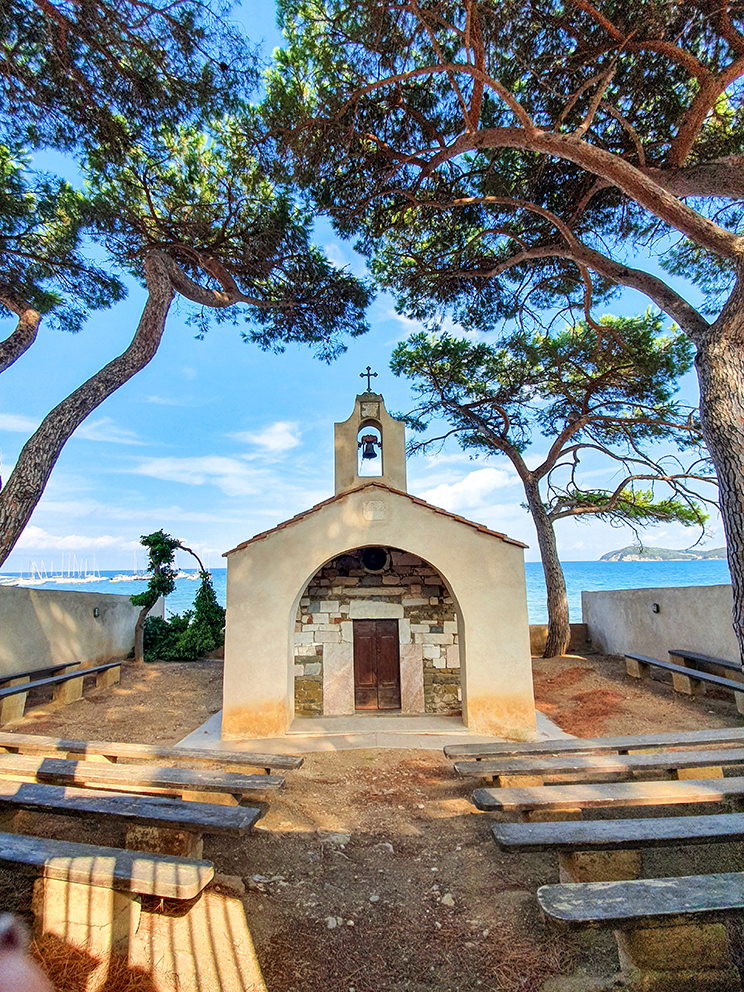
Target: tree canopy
(526,160)
(607,396)
(180,188)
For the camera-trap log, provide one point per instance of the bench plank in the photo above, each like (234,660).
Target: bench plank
(689,738)
(641,901)
(706,659)
(695,674)
(35,744)
(619,835)
(31,673)
(600,764)
(607,794)
(133,778)
(149,811)
(13,690)
(160,875)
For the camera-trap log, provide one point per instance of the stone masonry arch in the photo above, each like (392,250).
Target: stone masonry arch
(406,592)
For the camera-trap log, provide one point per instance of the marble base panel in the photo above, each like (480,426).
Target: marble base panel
(412,678)
(338,679)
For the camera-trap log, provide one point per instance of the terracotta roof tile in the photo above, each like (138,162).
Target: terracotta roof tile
(377,485)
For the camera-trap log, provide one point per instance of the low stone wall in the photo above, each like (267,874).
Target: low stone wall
(47,626)
(539,636)
(697,618)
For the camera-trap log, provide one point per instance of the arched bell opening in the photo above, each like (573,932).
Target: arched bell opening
(376,629)
(370,452)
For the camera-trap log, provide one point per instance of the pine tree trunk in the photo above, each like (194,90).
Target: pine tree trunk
(559,628)
(24,488)
(720,368)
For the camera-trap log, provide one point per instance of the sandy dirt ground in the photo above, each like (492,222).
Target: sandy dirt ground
(372,871)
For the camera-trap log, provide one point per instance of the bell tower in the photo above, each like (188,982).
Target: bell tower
(370,433)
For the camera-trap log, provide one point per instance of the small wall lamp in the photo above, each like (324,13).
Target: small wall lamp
(655,608)
(96,612)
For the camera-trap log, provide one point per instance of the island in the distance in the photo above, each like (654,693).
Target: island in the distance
(634,552)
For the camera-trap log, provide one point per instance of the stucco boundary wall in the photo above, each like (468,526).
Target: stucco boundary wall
(695,618)
(49,626)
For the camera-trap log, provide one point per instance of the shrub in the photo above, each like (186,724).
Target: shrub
(191,635)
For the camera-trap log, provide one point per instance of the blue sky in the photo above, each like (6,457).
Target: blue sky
(215,440)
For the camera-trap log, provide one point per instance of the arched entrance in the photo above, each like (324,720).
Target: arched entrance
(376,629)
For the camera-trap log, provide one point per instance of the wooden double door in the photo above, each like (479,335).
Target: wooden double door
(376,665)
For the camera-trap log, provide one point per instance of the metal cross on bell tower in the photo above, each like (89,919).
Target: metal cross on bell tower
(368,375)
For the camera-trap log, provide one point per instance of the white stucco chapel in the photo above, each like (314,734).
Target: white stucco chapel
(375,602)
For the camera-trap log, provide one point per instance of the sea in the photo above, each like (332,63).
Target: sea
(580,575)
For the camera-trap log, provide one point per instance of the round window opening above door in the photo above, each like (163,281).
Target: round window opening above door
(375,559)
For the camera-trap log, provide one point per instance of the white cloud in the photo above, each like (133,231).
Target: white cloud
(476,489)
(91,508)
(277,437)
(41,540)
(106,430)
(230,475)
(17,423)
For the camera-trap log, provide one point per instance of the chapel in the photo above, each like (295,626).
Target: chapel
(375,602)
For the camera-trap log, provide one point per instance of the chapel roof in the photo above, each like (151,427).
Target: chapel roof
(376,485)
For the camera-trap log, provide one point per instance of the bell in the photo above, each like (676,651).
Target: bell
(368,446)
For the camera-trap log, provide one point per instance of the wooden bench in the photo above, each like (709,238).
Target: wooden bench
(561,802)
(114,751)
(152,823)
(717,737)
(680,656)
(684,679)
(528,771)
(203,785)
(35,673)
(608,850)
(91,896)
(67,688)
(667,929)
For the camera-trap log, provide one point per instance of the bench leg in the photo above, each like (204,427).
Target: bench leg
(101,759)
(638,669)
(69,691)
(9,821)
(163,840)
(218,798)
(517,781)
(662,959)
(687,684)
(598,866)
(12,707)
(550,815)
(110,677)
(92,917)
(709,771)
(208,949)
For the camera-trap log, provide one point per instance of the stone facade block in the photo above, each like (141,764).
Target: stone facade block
(327,636)
(374,611)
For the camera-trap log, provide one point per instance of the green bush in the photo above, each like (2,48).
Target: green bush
(191,635)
